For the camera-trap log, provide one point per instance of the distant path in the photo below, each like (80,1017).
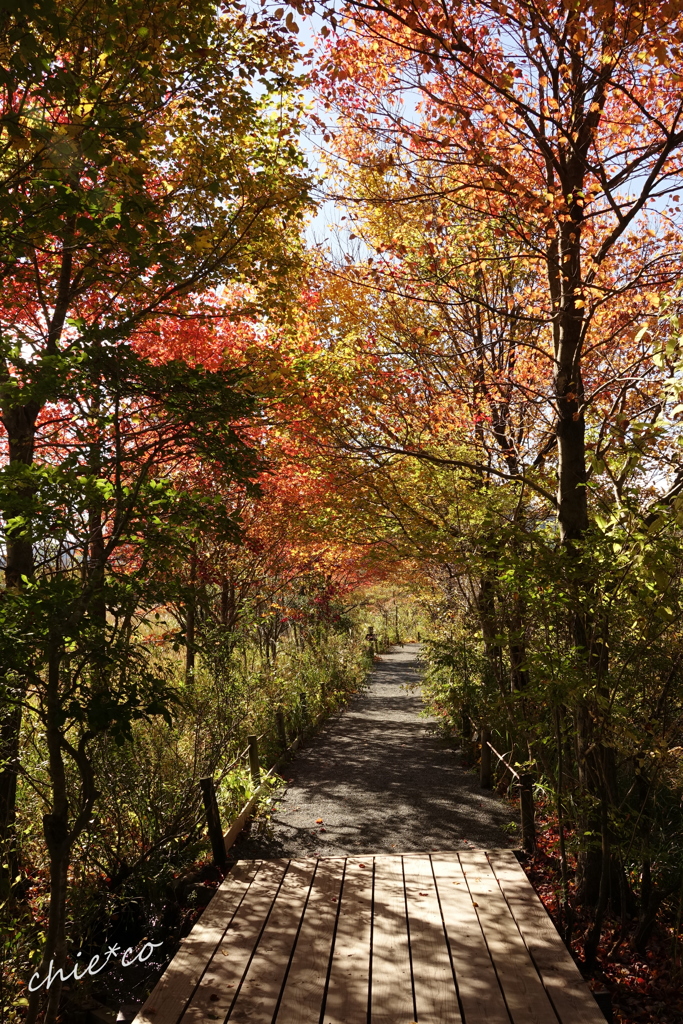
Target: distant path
(381,781)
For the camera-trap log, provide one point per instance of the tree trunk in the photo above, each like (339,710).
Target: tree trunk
(589,861)
(650,902)
(565,280)
(96,544)
(486,607)
(58,841)
(594,931)
(190,641)
(10,728)
(19,422)
(190,622)
(56,830)
(519,677)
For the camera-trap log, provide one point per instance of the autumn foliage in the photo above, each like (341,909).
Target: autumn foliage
(215,441)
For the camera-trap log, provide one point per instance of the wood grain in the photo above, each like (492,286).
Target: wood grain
(525,995)
(215,995)
(391,984)
(478,987)
(347,994)
(568,992)
(418,938)
(435,993)
(305,985)
(177,984)
(260,991)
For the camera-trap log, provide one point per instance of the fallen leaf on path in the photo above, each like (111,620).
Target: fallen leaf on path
(318,821)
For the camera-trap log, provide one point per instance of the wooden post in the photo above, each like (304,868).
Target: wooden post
(213,820)
(526,805)
(485,780)
(281,729)
(253,759)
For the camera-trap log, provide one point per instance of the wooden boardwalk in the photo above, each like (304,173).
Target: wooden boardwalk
(440,938)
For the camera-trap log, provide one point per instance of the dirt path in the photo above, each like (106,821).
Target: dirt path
(381,782)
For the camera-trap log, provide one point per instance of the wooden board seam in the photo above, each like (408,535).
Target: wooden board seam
(486,942)
(258,940)
(296,939)
(448,941)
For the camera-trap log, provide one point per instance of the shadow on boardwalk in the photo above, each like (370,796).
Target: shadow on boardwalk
(381,781)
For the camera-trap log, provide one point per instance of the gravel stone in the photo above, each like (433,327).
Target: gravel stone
(379,779)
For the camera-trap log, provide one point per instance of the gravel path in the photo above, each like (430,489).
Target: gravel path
(381,781)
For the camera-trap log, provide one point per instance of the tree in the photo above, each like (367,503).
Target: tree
(147,155)
(118,502)
(561,127)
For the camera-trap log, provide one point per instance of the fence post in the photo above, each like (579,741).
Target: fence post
(213,820)
(526,805)
(253,759)
(281,728)
(485,780)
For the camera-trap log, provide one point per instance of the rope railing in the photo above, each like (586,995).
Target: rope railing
(219,841)
(244,753)
(525,781)
(501,757)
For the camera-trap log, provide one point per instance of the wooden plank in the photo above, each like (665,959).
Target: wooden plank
(260,991)
(216,993)
(435,994)
(169,997)
(347,992)
(568,991)
(304,989)
(524,993)
(480,994)
(391,984)
(241,819)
